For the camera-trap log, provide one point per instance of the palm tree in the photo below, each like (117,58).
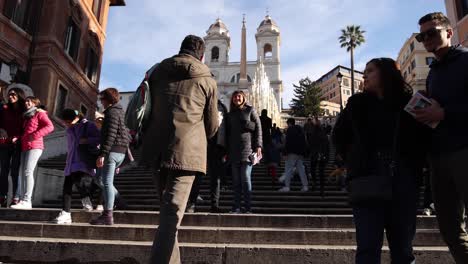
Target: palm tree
(350,38)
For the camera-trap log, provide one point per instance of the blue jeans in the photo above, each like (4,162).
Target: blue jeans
(111,162)
(397,218)
(28,163)
(242,184)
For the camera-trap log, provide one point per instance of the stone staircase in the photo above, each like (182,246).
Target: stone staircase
(137,187)
(293,227)
(28,237)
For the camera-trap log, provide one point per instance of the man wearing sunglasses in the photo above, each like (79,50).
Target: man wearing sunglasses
(447,86)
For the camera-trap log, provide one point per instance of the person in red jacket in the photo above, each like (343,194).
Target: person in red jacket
(11,128)
(36,126)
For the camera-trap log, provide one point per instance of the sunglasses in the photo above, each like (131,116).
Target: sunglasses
(430,33)
(12,94)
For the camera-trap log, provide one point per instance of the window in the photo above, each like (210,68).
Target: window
(267,51)
(345,81)
(19,13)
(92,62)
(215,54)
(97,9)
(236,78)
(462,8)
(405,74)
(411,46)
(60,100)
(72,39)
(413,64)
(84,110)
(429,60)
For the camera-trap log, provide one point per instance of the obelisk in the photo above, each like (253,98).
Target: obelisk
(243,82)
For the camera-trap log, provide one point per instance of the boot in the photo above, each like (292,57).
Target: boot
(3,202)
(106,218)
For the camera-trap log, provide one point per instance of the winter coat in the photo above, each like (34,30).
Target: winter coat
(295,141)
(184,115)
(266,130)
(447,83)
(74,162)
(244,133)
(11,121)
(114,134)
(374,125)
(37,127)
(219,139)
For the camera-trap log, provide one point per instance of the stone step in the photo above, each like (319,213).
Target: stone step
(229,196)
(202,234)
(68,250)
(206,219)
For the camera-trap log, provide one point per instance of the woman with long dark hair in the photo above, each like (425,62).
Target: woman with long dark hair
(11,129)
(37,125)
(383,147)
(244,137)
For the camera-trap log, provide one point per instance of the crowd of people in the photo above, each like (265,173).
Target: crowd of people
(381,148)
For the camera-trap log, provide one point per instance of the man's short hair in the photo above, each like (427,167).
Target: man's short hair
(438,17)
(291,121)
(193,45)
(111,95)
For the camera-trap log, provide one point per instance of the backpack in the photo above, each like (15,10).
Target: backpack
(139,108)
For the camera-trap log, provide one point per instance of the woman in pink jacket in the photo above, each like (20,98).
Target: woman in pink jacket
(37,125)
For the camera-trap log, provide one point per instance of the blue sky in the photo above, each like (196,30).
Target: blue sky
(147,31)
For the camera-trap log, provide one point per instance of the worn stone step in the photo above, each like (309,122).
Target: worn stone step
(203,234)
(206,208)
(81,251)
(207,219)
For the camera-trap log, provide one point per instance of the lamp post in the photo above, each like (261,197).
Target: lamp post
(339,76)
(13,70)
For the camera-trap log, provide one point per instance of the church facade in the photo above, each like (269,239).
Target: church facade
(232,76)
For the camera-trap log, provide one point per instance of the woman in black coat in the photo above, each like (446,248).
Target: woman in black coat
(374,134)
(244,137)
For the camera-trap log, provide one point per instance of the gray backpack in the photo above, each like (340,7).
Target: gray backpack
(139,108)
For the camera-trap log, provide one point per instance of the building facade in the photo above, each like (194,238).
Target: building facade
(414,63)
(457,12)
(335,92)
(229,75)
(58,47)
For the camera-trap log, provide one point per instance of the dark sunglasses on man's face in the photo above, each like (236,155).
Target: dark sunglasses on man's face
(12,95)
(430,33)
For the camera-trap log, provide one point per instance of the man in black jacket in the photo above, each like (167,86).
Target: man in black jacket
(447,86)
(295,148)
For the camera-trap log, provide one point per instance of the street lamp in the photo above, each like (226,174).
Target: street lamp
(339,77)
(13,70)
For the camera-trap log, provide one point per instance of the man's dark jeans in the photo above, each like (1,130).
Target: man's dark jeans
(216,172)
(397,218)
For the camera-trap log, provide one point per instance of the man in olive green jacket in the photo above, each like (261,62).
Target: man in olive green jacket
(184,115)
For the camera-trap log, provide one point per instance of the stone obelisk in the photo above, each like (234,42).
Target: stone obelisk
(243,82)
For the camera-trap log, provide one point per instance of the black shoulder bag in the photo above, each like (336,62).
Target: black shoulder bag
(377,186)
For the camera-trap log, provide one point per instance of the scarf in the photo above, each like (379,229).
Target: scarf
(30,112)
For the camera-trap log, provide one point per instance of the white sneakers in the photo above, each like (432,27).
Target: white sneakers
(87,205)
(22,205)
(282,178)
(63,218)
(287,189)
(99,208)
